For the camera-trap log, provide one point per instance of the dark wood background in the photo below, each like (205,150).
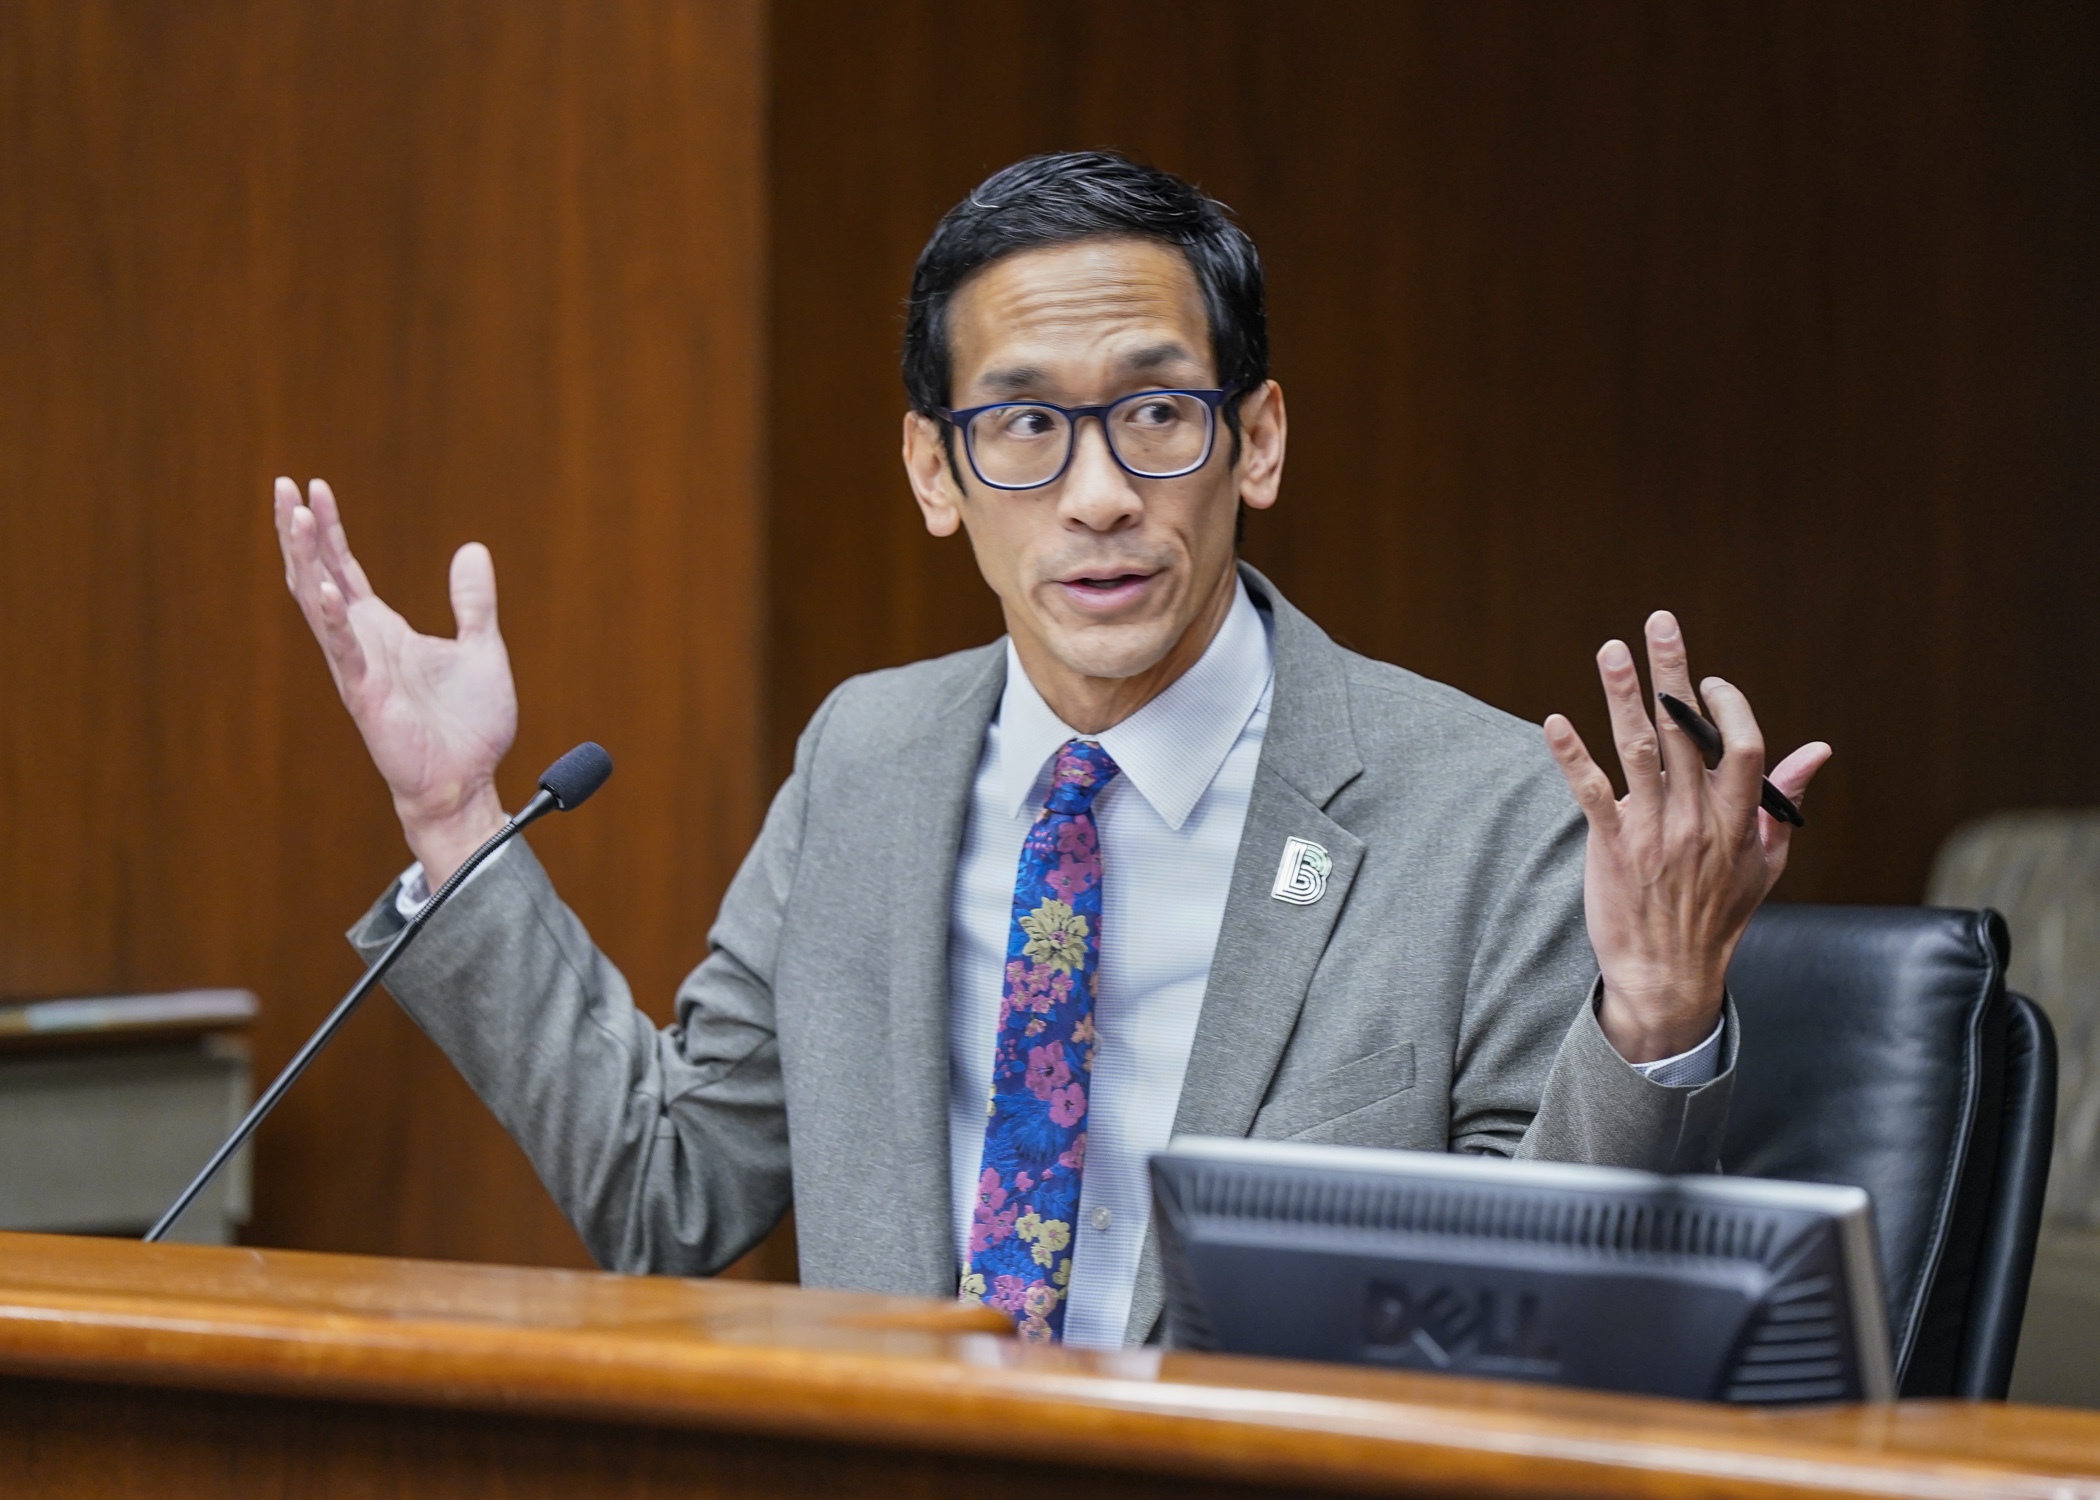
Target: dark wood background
(496,271)
(1782,315)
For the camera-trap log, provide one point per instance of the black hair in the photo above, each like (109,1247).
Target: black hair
(1080,195)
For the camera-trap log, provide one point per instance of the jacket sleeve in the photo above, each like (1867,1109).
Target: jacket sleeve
(666,1149)
(1533,996)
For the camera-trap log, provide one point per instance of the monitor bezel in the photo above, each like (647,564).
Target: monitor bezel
(1850,1208)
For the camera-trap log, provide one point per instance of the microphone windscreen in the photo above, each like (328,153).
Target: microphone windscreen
(576,775)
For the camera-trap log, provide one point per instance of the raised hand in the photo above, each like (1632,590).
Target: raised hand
(1676,868)
(437,715)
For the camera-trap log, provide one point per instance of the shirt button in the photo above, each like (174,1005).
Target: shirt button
(1103,1218)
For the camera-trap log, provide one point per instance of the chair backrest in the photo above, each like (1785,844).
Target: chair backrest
(1880,1048)
(2041,868)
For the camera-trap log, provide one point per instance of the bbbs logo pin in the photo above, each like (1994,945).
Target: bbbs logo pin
(1301,877)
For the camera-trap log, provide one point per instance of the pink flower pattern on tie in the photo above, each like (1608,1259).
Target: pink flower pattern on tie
(1023,1222)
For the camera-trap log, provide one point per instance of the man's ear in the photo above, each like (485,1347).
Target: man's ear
(932,480)
(1262,432)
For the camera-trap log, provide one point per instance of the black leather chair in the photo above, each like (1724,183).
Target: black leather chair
(1881,1048)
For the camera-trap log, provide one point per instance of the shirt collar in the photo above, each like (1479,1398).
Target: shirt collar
(1172,748)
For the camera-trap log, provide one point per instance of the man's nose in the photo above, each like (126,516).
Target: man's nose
(1096,491)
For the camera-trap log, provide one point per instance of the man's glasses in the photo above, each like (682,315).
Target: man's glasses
(1023,445)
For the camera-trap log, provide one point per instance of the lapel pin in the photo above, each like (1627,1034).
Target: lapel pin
(1301,877)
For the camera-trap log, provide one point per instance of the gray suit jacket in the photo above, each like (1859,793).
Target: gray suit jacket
(1435,997)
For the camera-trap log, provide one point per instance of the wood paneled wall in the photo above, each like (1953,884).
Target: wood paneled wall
(1781,315)
(496,271)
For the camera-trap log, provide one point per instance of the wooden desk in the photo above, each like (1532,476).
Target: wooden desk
(178,1370)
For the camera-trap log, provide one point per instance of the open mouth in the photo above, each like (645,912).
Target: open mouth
(1105,590)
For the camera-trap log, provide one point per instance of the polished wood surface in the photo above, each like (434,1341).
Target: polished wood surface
(494,269)
(1777,314)
(849,1375)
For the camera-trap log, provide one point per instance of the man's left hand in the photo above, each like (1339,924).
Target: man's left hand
(1676,867)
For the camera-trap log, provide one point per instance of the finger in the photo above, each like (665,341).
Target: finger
(319,598)
(321,601)
(1669,671)
(335,543)
(303,573)
(1585,778)
(284,501)
(339,642)
(1793,774)
(1738,780)
(1631,729)
(474,591)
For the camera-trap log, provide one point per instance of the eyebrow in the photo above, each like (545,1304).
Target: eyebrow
(1019,378)
(1155,355)
(1015,379)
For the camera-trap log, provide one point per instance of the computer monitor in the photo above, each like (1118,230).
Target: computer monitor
(1712,1288)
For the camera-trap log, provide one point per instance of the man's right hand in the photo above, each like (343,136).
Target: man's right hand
(437,715)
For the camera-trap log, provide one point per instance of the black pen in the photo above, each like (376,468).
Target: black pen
(1708,739)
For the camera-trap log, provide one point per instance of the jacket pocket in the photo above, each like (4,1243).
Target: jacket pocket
(1341,1091)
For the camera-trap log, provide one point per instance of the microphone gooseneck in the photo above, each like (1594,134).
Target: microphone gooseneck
(566,784)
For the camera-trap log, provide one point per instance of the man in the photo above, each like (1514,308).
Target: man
(1166,859)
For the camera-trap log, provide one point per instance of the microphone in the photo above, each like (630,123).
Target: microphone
(566,784)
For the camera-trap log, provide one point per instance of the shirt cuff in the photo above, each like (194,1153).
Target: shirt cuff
(413,892)
(1688,1069)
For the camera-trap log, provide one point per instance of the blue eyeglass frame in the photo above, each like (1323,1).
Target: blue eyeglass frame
(1212,401)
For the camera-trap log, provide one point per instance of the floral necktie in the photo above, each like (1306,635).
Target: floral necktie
(1035,1129)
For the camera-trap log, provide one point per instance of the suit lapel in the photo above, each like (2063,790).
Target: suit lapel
(921,860)
(1268,948)
(1267,951)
